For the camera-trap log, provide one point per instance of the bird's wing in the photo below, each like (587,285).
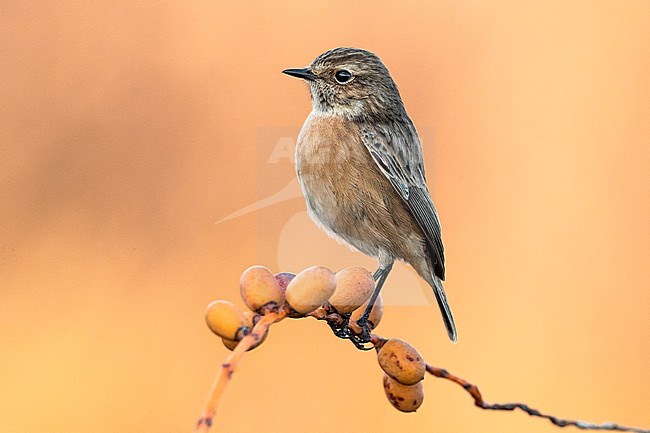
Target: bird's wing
(397,151)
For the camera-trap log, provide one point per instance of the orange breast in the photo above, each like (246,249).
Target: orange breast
(348,195)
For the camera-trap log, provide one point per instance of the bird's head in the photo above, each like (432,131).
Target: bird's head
(350,82)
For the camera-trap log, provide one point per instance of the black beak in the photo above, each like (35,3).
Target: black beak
(304,73)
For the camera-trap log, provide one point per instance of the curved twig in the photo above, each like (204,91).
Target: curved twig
(479,402)
(228,368)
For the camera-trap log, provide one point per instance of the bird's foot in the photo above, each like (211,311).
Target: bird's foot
(340,328)
(360,334)
(357,332)
(337,322)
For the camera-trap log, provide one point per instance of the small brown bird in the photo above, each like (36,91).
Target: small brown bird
(359,163)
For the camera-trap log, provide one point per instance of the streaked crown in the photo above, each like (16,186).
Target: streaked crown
(351,82)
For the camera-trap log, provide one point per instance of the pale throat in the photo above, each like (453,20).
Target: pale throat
(349,111)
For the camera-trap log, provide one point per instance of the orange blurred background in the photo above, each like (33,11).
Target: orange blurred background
(129,129)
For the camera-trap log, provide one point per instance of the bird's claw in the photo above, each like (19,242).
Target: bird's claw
(360,339)
(342,329)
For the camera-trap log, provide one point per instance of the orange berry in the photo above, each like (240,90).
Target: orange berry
(226,320)
(353,287)
(404,398)
(401,362)
(310,289)
(259,288)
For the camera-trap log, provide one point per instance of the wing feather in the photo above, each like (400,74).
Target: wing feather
(397,152)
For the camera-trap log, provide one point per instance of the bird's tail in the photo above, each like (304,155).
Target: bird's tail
(447,317)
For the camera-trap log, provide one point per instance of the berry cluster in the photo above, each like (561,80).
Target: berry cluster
(340,299)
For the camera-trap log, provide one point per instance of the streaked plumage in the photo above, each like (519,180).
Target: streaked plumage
(359,162)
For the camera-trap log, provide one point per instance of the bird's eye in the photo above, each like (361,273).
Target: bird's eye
(343,76)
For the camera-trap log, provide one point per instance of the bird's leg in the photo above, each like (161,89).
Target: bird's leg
(380,276)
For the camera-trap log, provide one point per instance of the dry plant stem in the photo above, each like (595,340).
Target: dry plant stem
(478,401)
(228,368)
(377,342)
